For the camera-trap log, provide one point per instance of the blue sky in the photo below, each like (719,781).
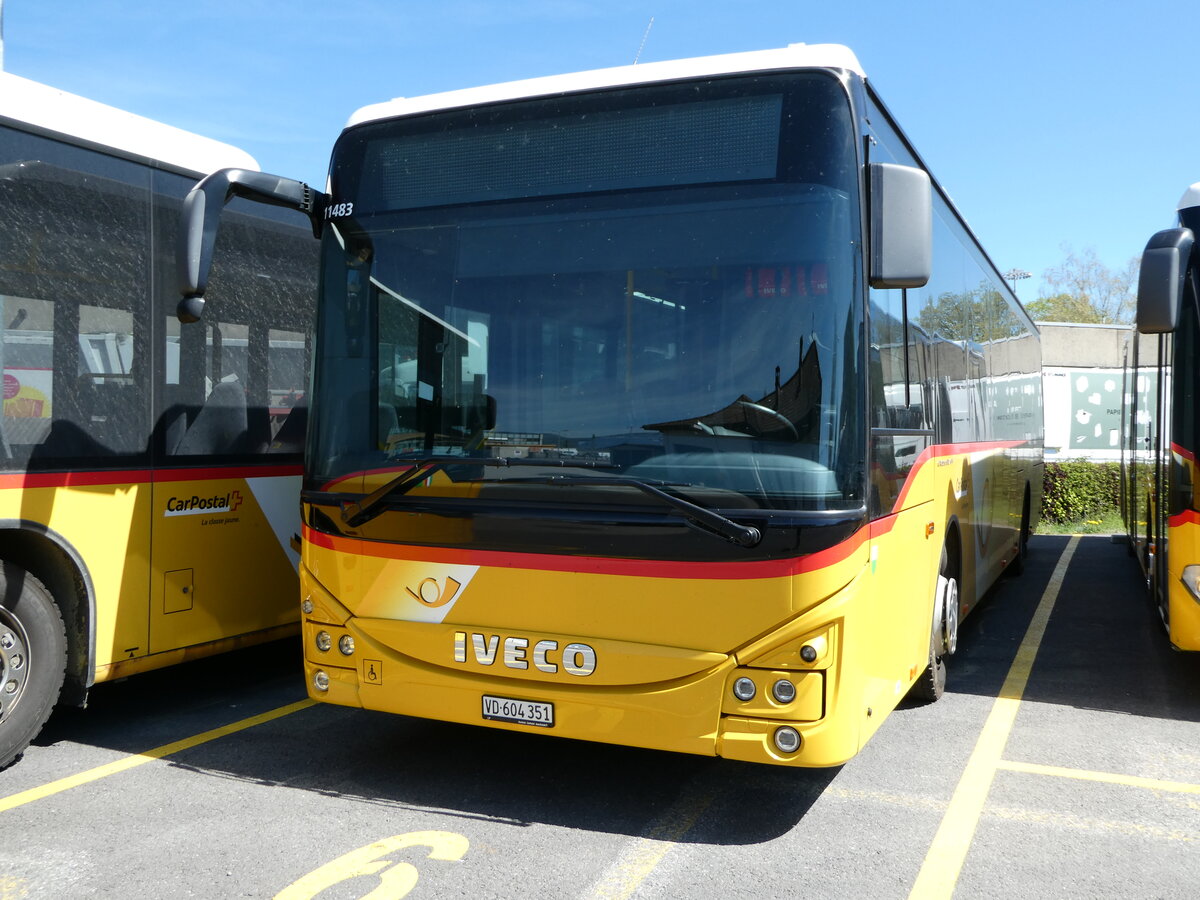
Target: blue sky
(1052,124)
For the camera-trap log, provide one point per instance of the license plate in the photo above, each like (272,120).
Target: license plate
(522,712)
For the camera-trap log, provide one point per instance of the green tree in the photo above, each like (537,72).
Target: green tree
(1065,308)
(1083,289)
(980,316)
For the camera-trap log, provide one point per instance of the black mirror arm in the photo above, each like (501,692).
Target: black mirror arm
(200,219)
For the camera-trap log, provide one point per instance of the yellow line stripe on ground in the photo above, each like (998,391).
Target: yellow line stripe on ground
(641,857)
(130,762)
(1154,784)
(939,872)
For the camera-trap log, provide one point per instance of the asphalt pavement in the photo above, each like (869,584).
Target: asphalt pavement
(1063,762)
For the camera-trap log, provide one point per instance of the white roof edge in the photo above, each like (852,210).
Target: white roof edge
(50,109)
(1190,198)
(794,56)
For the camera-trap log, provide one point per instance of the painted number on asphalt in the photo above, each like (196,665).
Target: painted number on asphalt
(396,879)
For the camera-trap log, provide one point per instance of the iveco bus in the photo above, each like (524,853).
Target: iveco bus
(671,405)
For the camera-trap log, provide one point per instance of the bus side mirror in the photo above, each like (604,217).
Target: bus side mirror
(901,226)
(1160,282)
(201,217)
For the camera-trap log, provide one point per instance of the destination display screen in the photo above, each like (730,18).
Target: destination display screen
(699,142)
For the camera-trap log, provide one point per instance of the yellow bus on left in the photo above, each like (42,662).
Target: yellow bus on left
(149,472)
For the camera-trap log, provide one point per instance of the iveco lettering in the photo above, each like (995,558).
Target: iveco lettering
(519,652)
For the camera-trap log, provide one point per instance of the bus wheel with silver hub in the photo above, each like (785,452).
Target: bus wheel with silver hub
(943,635)
(33,653)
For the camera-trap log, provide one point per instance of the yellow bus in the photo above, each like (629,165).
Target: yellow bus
(149,474)
(1162,432)
(670,406)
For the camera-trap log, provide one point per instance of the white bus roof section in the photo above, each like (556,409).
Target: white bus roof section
(1190,198)
(795,56)
(48,109)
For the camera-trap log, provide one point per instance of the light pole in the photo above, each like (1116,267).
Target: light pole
(1015,275)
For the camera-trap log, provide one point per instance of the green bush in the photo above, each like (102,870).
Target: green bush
(1077,490)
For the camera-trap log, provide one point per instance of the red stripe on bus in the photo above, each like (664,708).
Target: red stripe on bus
(593,565)
(1186,454)
(1187,517)
(73,479)
(214,474)
(943,451)
(16,480)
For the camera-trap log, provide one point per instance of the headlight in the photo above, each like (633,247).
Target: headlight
(744,689)
(787,739)
(783,691)
(1191,581)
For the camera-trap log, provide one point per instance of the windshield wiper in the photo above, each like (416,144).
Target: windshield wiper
(371,505)
(706,520)
(699,517)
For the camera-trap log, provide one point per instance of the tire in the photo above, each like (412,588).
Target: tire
(931,683)
(1156,563)
(1017,566)
(33,658)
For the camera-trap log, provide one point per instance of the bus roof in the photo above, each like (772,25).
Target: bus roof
(38,107)
(794,56)
(1190,198)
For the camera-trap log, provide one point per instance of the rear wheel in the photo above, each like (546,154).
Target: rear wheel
(1159,592)
(1017,566)
(1156,564)
(943,634)
(33,654)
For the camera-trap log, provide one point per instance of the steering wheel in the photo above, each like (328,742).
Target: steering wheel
(770,414)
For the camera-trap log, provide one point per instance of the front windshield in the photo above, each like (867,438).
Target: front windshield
(657,284)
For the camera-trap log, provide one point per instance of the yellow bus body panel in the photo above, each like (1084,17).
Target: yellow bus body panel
(434,630)
(1183,548)
(222,572)
(108,526)
(165,588)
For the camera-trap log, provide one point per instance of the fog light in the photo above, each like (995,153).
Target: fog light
(744,689)
(321,682)
(808,653)
(346,645)
(787,739)
(783,691)
(324,641)
(307,606)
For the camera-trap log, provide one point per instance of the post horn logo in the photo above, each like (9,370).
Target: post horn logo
(431,594)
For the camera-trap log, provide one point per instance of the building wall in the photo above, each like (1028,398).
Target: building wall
(1083,389)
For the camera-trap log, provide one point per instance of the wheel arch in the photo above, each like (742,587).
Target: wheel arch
(953,547)
(55,562)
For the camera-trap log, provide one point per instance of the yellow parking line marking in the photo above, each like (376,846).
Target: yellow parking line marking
(1154,784)
(939,872)
(137,759)
(638,860)
(1059,820)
